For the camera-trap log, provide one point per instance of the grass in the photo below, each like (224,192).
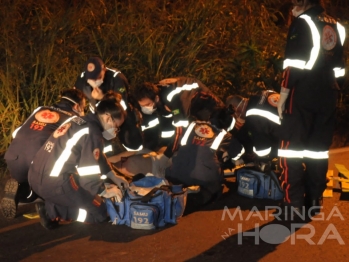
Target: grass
(233,46)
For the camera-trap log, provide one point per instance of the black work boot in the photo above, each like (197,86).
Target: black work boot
(45,221)
(9,202)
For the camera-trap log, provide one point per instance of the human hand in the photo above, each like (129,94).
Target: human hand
(120,181)
(96,93)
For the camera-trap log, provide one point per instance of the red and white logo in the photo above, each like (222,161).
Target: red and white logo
(273,99)
(329,38)
(47,116)
(60,131)
(96,153)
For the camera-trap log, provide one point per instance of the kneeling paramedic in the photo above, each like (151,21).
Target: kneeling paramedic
(69,168)
(199,153)
(28,139)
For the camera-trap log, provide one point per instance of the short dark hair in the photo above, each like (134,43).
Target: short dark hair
(146,90)
(111,107)
(72,94)
(113,96)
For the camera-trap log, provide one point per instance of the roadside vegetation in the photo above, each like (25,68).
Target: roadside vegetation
(233,46)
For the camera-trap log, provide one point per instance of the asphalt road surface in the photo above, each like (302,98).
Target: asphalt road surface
(234,228)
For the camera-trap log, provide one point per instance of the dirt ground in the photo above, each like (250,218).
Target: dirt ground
(233,228)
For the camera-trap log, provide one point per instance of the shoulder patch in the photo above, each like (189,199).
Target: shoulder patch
(47,116)
(78,120)
(175,112)
(122,89)
(204,131)
(60,131)
(49,146)
(329,38)
(273,99)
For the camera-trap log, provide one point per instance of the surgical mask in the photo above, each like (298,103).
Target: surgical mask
(80,113)
(99,82)
(148,110)
(109,133)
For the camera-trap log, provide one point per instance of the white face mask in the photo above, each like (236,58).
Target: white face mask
(99,82)
(109,133)
(148,110)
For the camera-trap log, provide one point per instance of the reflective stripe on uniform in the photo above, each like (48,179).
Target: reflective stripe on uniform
(123,104)
(232,124)
(18,128)
(338,72)
(315,154)
(151,124)
(107,149)
(167,134)
(92,109)
(290,153)
(82,215)
(239,155)
(263,152)
(180,123)
(168,116)
(218,140)
(258,112)
(130,149)
(180,89)
(187,133)
(314,52)
(57,168)
(341,31)
(89,170)
(304,153)
(115,72)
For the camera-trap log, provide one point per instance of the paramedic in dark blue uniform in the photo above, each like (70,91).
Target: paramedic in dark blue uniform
(187,99)
(257,123)
(69,169)
(95,82)
(198,155)
(313,61)
(27,140)
(157,121)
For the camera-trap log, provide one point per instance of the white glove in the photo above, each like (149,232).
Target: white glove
(120,181)
(282,101)
(112,191)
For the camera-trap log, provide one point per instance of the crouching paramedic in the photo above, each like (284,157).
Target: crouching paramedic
(198,155)
(257,123)
(27,140)
(69,168)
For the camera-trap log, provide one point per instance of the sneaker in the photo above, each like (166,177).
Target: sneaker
(45,221)
(9,203)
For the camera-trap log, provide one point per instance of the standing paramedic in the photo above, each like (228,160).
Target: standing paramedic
(307,105)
